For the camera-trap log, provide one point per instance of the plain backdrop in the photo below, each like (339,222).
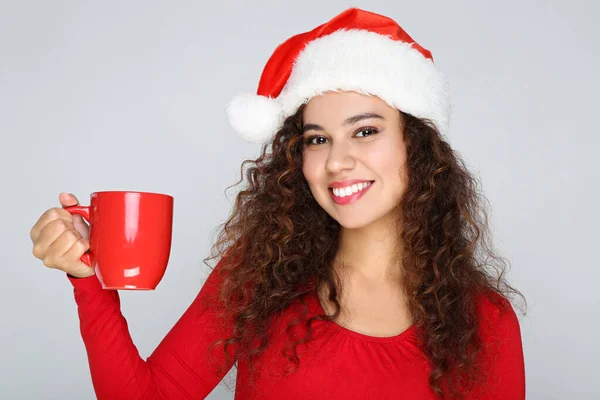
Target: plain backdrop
(131,95)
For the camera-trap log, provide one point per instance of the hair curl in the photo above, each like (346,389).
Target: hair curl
(281,244)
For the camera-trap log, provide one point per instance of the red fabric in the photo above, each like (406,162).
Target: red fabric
(279,66)
(337,364)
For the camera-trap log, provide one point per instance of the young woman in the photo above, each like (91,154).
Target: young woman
(354,265)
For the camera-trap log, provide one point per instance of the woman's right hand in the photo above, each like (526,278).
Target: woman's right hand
(60,239)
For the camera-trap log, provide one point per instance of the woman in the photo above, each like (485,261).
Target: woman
(354,264)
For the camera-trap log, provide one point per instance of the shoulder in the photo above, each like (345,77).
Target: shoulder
(497,319)
(501,362)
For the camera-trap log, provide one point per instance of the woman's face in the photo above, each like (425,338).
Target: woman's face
(354,157)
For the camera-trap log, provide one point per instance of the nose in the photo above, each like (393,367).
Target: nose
(339,158)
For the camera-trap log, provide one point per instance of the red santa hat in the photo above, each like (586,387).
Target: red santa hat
(356,51)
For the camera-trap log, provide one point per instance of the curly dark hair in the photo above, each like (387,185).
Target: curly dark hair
(280,246)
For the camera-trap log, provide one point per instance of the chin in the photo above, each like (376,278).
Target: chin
(357,216)
(353,225)
(356,221)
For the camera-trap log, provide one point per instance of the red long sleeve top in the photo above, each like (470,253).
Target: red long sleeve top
(337,364)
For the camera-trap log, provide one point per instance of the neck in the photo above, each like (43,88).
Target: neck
(372,252)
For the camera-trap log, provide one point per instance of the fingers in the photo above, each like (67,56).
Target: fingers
(49,216)
(59,240)
(65,252)
(72,259)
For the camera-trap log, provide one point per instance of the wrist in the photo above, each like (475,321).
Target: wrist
(80,276)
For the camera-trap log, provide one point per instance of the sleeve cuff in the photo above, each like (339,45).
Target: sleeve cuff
(89,283)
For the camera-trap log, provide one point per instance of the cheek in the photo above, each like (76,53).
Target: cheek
(400,174)
(390,164)
(313,169)
(310,168)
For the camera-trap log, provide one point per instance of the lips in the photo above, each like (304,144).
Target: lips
(348,192)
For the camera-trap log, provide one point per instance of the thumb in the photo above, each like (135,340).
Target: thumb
(68,200)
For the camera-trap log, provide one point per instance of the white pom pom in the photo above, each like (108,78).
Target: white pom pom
(255,118)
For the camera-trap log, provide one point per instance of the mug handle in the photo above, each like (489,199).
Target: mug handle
(84,211)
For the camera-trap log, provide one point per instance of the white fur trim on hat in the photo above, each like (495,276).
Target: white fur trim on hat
(350,60)
(369,63)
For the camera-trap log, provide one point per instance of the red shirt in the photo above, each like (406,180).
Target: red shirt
(337,364)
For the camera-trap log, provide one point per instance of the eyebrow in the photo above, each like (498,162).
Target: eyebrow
(348,121)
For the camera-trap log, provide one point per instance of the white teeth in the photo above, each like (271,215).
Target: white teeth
(347,191)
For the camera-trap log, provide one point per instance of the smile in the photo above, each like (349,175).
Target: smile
(350,193)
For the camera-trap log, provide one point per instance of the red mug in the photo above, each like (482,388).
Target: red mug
(130,237)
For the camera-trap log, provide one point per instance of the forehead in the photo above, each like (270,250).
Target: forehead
(332,106)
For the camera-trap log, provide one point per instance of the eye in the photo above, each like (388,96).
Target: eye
(366,132)
(315,140)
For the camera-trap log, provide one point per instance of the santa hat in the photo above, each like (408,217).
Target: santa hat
(356,51)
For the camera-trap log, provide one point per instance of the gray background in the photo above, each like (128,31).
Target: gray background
(124,95)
